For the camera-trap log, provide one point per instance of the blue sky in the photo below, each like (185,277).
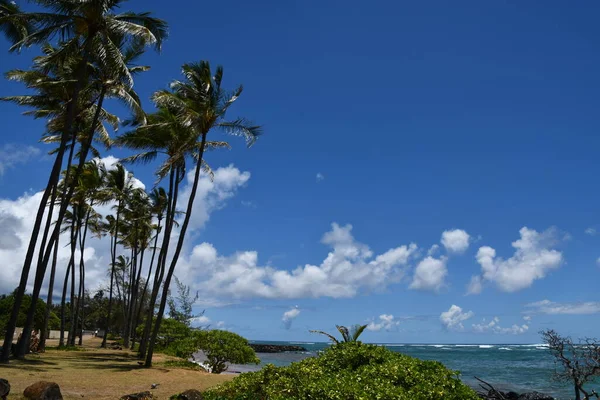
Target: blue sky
(419,118)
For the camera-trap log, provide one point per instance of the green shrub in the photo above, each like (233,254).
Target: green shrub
(220,347)
(349,371)
(170,331)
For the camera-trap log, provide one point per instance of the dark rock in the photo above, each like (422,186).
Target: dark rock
(191,394)
(138,396)
(493,395)
(535,396)
(43,391)
(4,389)
(275,348)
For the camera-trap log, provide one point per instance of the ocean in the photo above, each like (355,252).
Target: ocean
(521,368)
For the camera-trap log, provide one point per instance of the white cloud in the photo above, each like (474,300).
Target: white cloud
(591,231)
(475,285)
(386,322)
(527,318)
(551,307)
(349,268)
(430,274)
(211,195)
(320,177)
(494,327)
(433,250)
(598,261)
(453,318)
(17,219)
(202,320)
(533,259)
(289,316)
(12,155)
(456,241)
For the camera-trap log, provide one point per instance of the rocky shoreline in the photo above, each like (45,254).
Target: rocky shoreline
(275,348)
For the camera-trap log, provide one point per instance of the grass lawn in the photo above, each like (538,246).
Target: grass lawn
(96,373)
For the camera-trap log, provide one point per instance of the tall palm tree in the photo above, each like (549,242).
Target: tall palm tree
(201,105)
(120,183)
(348,335)
(85,27)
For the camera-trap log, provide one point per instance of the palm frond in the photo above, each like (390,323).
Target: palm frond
(331,337)
(241,127)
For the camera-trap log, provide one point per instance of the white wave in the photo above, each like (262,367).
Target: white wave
(466,345)
(486,346)
(505,348)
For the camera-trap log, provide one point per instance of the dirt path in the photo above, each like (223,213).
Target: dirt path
(95,373)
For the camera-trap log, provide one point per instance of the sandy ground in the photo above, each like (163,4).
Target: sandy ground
(96,373)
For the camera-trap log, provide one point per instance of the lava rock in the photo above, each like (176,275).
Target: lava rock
(138,396)
(535,396)
(191,394)
(43,391)
(275,348)
(4,389)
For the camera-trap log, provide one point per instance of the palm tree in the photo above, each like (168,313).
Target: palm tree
(348,335)
(120,183)
(86,28)
(201,105)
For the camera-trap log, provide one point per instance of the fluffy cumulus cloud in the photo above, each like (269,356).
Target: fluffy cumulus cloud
(551,307)
(320,177)
(494,327)
(385,322)
(212,195)
(17,220)
(430,274)
(289,316)
(349,268)
(456,241)
(453,319)
(533,259)
(12,155)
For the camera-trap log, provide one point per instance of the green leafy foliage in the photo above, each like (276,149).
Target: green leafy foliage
(220,347)
(171,331)
(6,305)
(349,371)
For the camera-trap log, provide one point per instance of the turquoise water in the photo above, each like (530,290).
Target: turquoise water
(522,368)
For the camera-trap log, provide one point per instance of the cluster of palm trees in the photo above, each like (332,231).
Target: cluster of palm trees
(89,54)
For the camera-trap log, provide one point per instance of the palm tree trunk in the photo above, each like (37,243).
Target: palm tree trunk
(73,327)
(41,269)
(20,292)
(136,320)
(178,248)
(44,333)
(162,255)
(63,300)
(112,273)
(81,291)
(139,313)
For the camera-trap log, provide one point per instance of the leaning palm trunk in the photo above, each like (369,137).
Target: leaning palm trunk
(52,181)
(162,255)
(44,334)
(41,269)
(178,248)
